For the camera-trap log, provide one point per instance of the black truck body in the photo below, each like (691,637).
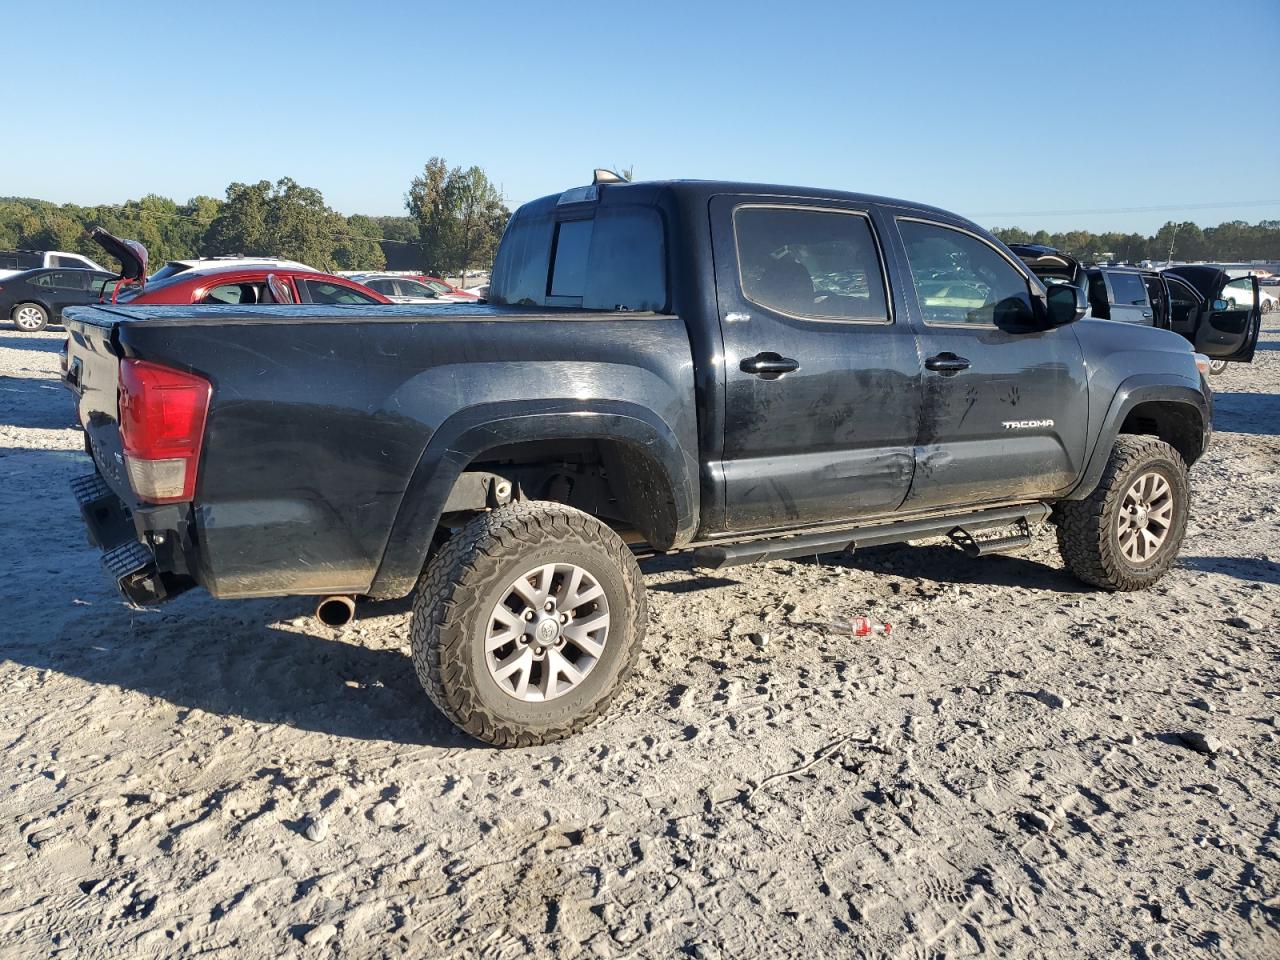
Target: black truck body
(652,357)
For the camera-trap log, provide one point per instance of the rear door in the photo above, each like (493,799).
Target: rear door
(1127,295)
(1006,404)
(821,371)
(68,288)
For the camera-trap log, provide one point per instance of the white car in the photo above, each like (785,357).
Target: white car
(13,262)
(399,289)
(218,263)
(1267,300)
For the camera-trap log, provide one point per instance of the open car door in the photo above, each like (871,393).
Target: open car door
(1228,325)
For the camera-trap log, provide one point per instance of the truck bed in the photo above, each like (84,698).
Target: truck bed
(322,415)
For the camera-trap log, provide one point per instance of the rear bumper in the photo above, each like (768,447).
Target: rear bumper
(147,551)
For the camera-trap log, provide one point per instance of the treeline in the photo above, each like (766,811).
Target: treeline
(1226,242)
(456,218)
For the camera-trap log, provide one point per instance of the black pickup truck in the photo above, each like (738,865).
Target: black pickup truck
(739,371)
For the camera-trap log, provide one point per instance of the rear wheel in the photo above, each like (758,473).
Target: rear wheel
(1127,533)
(526,622)
(29,317)
(1217,367)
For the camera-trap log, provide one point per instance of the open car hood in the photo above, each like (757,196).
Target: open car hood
(131,254)
(1207,280)
(1048,263)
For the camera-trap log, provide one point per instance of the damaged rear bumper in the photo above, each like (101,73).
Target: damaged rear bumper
(147,550)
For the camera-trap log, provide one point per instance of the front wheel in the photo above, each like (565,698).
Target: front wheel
(1217,368)
(1127,533)
(29,317)
(526,623)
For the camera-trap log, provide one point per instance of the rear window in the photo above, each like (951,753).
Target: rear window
(1128,289)
(569,269)
(15,260)
(615,260)
(170,269)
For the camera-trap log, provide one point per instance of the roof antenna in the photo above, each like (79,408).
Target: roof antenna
(607,176)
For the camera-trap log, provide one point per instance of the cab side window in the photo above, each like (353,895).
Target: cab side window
(960,279)
(817,264)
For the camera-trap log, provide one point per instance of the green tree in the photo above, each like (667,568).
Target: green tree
(459,213)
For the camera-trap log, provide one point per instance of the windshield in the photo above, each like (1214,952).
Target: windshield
(170,269)
(412,288)
(156,282)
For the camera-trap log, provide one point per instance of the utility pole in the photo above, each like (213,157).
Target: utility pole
(1168,261)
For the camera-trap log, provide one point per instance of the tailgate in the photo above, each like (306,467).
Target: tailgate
(93,372)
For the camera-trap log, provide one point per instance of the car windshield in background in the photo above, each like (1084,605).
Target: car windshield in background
(412,288)
(321,291)
(154,283)
(170,269)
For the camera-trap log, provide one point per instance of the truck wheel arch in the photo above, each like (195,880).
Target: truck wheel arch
(1152,406)
(661,474)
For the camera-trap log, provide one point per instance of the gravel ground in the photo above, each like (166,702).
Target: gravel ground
(1005,774)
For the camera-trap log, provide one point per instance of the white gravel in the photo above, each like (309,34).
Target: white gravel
(1018,769)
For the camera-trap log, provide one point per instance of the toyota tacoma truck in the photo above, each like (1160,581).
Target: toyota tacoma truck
(738,371)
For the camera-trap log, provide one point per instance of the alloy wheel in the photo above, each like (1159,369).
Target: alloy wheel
(28,318)
(1145,517)
(547,632)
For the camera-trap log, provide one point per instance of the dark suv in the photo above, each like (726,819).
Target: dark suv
(1202,303)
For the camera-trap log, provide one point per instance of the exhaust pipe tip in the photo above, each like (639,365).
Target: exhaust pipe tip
(336,611)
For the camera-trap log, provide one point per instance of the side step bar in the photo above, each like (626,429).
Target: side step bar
(851,538)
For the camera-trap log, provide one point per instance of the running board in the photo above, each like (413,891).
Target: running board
(851,538)
(973,546)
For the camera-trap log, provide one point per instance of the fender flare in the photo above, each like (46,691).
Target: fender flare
(467,434)
(1134,390)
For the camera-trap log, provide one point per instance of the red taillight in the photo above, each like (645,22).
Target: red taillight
(162,415)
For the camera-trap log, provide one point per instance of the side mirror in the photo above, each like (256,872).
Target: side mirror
(1219,305)
(1065,304)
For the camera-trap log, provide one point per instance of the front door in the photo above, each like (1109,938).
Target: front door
(822,375)
(1232,333)
(1005,401)
(1186,306)
(1227,326)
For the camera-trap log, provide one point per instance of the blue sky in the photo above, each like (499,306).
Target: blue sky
(1009,113)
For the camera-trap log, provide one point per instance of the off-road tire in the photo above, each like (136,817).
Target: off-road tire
(455,596)
(30,310)
(1087,536)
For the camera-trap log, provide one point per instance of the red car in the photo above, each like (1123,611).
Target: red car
(445,287)
(231,285)
(247,285)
